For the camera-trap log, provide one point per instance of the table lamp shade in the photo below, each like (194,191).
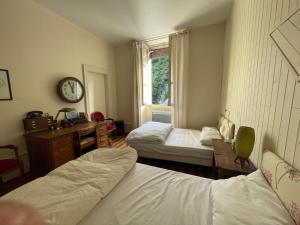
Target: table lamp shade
(63,110)
(244,142)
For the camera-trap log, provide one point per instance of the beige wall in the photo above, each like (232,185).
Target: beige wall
(206,54)
(39,48)
(259,84)
(205,75)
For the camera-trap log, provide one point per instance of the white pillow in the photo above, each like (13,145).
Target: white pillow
(209,133)
(247,200)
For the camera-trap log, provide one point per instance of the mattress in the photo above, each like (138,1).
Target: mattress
(181,145)
(149,195)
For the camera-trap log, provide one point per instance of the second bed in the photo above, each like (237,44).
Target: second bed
(162,141)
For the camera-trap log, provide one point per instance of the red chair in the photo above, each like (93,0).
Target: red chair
(7,165)
(110,123)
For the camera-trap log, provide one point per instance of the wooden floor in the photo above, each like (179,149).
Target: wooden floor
(119,142)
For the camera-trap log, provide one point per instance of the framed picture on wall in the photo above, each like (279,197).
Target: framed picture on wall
(5,88)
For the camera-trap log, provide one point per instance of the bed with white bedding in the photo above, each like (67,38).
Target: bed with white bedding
(181,145)
(113,190)
(162,141)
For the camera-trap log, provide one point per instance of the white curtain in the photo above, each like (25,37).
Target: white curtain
(179,58)
(140,60)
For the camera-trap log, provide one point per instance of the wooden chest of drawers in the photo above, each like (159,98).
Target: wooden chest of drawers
(50,149)
(62,150)
(102,138)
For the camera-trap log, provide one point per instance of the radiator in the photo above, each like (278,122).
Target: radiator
(163,117)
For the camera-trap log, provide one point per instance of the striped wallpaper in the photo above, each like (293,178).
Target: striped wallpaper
(260,88)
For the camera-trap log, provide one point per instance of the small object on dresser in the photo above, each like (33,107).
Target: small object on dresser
(83,116)
(34,114)
(66,123)
(37,124)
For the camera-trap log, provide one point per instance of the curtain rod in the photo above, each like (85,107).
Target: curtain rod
(165,35)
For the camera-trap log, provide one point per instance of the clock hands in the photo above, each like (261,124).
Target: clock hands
(72,85)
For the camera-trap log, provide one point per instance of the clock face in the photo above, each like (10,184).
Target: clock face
(70,89)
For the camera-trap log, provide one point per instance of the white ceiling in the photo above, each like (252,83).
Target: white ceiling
(118,21)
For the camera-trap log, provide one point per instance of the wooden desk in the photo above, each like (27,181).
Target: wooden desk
(50,149)
(224,160)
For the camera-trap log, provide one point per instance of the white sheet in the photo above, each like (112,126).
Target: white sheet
(152,196)
(181,143)
(68,193)
(150,132)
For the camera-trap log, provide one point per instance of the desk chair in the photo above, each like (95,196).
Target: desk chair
(110,123)
(85,138)
(11,164)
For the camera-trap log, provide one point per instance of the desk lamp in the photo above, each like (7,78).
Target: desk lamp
(63,110)
(244,144)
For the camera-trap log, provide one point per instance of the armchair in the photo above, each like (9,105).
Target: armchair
(7,165)
(110,123)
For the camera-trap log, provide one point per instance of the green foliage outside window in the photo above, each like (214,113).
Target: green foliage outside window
(160,80)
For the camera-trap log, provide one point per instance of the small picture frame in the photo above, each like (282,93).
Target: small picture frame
(5,88)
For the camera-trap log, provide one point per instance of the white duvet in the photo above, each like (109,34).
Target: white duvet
(73,193)
(150,132)
(154,196)
(68,193)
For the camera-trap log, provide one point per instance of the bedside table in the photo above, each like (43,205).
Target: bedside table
(223,161)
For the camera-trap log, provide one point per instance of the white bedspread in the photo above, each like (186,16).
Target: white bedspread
(68,193)
(182,145)
(152,196)
(150,132)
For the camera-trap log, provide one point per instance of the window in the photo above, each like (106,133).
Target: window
(160,80)
(156,80)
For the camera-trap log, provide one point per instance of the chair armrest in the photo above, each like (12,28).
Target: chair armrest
(110,119)
(9,146)
(13,147)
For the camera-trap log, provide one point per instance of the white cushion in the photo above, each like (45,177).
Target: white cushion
(247,200)
(209,133)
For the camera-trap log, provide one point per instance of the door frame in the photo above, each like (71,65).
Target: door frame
(87,70)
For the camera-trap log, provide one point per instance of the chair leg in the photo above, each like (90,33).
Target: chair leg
(109,142)
(22,168)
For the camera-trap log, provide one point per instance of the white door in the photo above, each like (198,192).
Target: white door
(96,93)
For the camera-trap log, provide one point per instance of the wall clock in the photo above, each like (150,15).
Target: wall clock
(70,89)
